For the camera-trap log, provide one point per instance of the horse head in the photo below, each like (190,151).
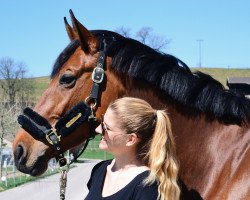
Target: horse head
(71,83)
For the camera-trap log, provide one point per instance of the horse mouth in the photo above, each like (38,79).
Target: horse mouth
(37,169)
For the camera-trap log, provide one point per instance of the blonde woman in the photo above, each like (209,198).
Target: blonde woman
(144,165)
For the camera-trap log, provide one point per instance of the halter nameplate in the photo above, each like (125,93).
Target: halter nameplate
(73,120)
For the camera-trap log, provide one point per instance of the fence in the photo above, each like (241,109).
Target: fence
(11,177)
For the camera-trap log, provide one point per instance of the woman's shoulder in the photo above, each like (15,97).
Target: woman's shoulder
(101,166)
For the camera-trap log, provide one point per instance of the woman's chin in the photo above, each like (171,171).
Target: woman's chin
(103,145)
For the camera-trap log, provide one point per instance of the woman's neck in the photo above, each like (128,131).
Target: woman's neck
(124,162)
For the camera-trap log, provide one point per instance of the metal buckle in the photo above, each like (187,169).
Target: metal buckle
(62,162)
(52,132)
(98,74)
(87,101)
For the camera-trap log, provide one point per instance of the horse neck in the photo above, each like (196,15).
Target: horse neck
(203,147)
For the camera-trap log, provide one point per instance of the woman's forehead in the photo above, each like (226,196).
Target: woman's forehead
(110,118)
(109,115)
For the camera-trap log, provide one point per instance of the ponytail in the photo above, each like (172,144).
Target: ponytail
(161,159)
(156,147)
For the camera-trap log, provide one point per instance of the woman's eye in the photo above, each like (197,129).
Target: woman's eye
(67,80)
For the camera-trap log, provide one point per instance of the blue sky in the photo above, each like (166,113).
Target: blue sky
(33,32)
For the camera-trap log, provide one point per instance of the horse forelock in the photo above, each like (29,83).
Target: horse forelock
(74,44)
(64,56)
(196,90)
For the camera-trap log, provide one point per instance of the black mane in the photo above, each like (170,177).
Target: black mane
(197,90)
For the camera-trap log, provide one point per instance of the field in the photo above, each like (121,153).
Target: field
(40,85)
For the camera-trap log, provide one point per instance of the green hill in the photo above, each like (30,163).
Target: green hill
(41,83)
(220,74)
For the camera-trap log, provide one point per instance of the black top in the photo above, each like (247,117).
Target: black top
(134,190)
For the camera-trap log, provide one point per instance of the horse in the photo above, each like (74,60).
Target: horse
(211,124)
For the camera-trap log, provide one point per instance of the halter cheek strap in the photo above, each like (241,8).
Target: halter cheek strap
(97,78)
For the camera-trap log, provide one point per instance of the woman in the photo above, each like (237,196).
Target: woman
(144,165)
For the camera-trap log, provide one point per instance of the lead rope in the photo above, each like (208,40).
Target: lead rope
(65,169)
(63,182)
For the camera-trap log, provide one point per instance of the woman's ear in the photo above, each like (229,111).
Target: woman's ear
(132,139)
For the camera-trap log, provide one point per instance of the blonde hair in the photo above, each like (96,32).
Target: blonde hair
(156,148)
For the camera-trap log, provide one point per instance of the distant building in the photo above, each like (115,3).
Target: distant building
(240,85)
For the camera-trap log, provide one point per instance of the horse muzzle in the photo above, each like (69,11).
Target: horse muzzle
(32,156)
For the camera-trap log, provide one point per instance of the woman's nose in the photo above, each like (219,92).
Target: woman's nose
(98,129)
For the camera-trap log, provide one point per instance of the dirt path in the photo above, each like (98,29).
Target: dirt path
(48,188)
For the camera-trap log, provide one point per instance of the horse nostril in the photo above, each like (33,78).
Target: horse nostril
(19,152)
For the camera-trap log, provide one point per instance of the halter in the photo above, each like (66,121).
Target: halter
(39,128)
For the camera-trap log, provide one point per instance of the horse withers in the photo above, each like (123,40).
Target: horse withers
(210,123)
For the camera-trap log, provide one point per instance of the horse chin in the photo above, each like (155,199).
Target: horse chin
(36,169)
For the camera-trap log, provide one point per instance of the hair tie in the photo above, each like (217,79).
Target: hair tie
(156,112)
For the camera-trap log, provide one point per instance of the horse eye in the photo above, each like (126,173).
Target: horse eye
(67,80)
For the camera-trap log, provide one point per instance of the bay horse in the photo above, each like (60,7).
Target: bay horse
(210,123)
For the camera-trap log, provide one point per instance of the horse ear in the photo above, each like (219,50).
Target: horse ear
(87,39)
(71,33)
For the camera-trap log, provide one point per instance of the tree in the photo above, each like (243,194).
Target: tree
(16,90)
(123,31)
(8,125)
(14,84)
(146,36)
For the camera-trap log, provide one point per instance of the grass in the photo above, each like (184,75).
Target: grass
(93,151)
(96,154)
(40,85)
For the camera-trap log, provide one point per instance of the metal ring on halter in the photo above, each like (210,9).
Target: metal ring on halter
(87,100)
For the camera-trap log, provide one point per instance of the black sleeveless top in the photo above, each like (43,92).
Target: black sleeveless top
(135,190)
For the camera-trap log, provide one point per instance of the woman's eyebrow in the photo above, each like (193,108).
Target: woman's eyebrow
(105,122)
(106,125)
